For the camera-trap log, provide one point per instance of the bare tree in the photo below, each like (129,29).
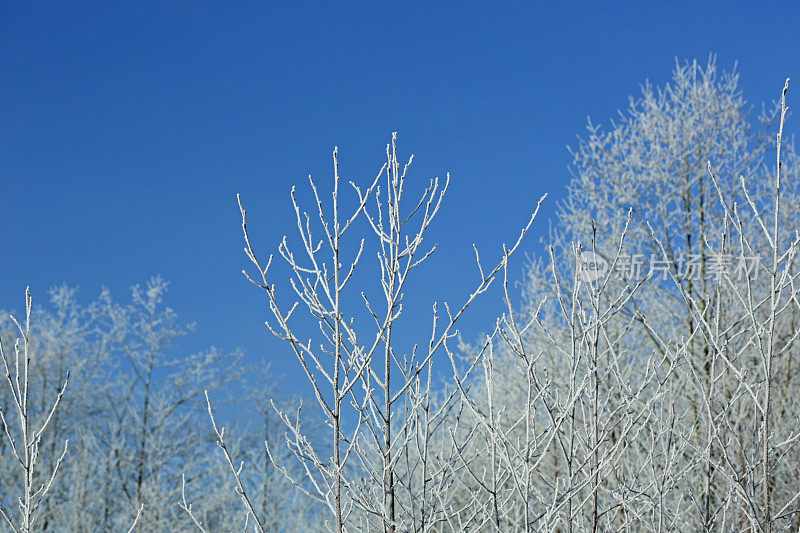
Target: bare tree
(24,437)
(707,452)
(101,416)
(378,401)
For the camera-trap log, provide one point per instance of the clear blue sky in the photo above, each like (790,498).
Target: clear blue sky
(126,129)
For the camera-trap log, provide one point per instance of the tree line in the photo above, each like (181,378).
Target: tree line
(646,380)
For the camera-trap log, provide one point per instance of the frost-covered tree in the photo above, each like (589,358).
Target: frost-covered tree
(26,415)
(389,460)
(134,415)
(684,327)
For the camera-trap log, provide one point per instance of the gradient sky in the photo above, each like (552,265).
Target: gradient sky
(126,129)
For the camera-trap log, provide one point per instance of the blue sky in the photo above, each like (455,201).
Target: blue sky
(128,128)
